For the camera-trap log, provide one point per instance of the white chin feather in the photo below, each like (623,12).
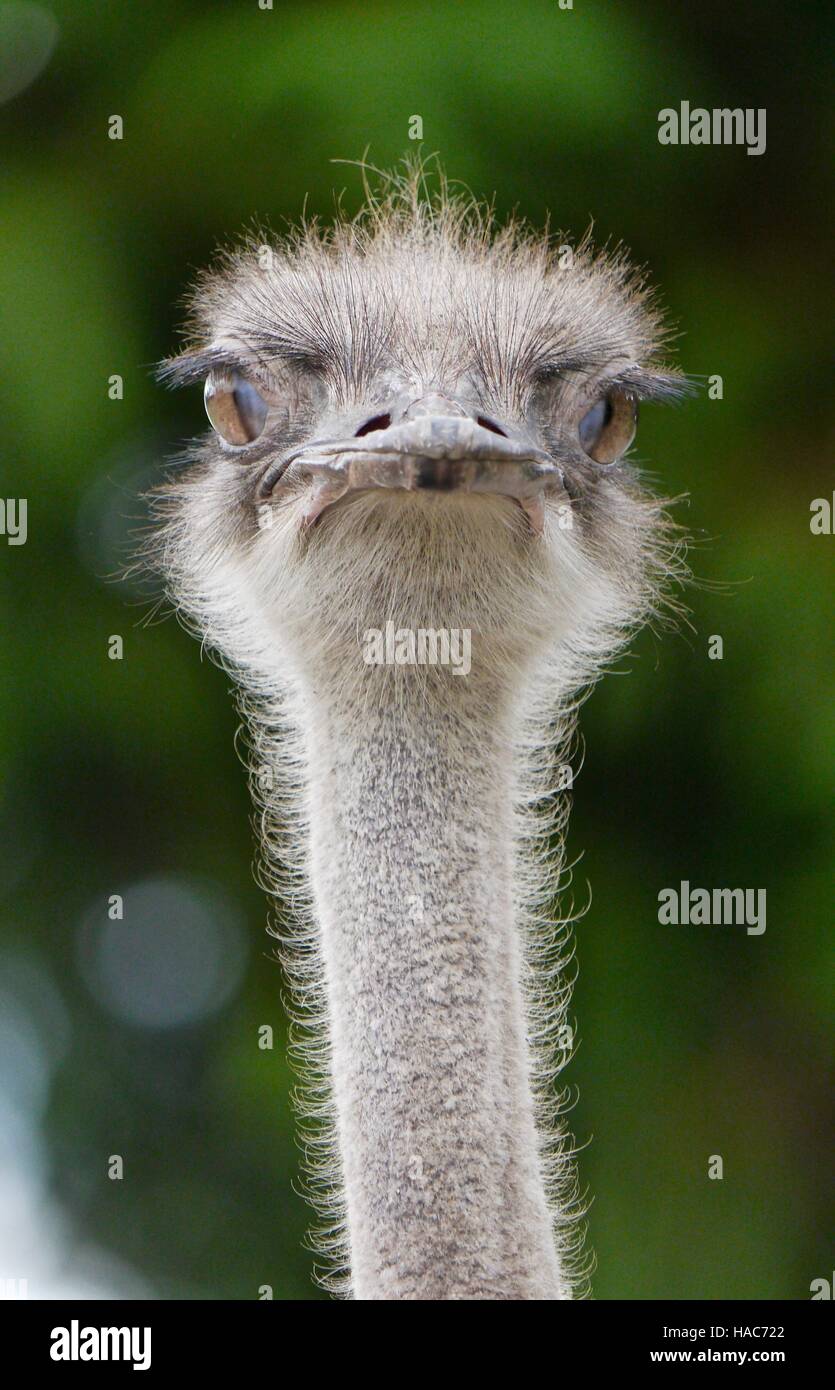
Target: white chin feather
(420,559)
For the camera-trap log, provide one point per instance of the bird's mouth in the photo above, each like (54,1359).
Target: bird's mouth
(438,453)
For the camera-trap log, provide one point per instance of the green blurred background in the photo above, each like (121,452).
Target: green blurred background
(140,1038)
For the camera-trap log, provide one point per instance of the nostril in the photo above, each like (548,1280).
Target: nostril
(487,424)
(377,422)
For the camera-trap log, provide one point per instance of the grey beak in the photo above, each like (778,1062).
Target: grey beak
(449,453)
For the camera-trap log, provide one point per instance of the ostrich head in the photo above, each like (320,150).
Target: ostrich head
(424,422)
(420,418)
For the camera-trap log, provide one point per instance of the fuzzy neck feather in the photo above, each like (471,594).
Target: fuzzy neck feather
(413,876)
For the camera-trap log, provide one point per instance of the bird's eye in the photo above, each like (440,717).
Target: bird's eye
(607,430)
(237,411)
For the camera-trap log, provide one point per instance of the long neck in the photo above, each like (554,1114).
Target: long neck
(412,869)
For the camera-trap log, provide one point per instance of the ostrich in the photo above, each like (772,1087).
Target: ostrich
(419,422)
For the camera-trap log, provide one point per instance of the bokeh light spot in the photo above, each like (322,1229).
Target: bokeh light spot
(176,957)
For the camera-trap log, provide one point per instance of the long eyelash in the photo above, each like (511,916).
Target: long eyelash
(649,385)
(191,368)
(646,383)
